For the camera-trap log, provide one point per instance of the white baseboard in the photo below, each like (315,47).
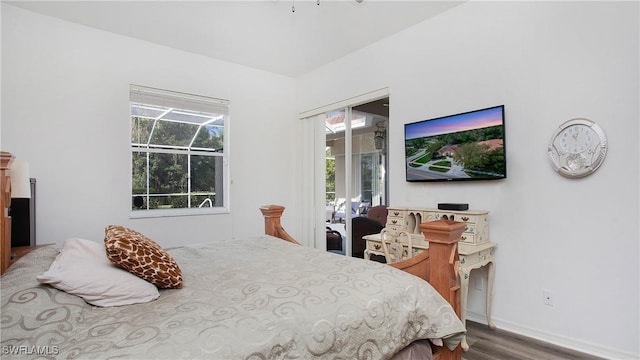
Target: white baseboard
(559,340)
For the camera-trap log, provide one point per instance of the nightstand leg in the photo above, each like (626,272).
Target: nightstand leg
(464,292)
(490,276)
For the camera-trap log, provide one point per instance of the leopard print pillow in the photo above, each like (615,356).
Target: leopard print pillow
(142,257)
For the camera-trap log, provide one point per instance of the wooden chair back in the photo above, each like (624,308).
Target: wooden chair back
(394,249)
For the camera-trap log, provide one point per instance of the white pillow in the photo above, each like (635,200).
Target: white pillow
(82,268)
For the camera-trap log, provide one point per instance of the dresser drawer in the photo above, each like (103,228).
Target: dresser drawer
(393,212)
(375,248)
(395,221)
(476,233)
(472,239)
(394,229)
(464,217)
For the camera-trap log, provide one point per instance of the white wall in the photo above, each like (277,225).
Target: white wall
(546,62)
(65,110)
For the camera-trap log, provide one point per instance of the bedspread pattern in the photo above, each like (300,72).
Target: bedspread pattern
(259,298)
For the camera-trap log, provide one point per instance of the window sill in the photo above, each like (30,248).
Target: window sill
(157,213)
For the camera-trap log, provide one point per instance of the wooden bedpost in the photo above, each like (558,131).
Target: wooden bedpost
(272,226)
(443,237)
(5,220)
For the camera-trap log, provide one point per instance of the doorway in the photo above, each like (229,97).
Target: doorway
(355,154)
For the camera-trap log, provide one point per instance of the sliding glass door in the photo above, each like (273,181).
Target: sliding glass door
(344,168)
(355,166)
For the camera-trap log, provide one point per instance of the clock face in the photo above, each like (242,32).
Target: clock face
(577,148)
(576,139)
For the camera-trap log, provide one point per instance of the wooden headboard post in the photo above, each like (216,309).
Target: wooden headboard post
(6,159)
(443,237)
(272,226)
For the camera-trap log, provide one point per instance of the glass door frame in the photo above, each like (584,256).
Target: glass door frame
(317,195)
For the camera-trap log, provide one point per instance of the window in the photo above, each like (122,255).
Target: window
(178,162)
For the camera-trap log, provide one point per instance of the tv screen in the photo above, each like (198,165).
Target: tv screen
(460,147)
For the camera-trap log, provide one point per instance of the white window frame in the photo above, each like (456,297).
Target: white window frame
(158,97)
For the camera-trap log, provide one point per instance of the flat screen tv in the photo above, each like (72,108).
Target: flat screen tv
(461,147)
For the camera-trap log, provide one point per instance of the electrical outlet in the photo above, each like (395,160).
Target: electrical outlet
(547,297)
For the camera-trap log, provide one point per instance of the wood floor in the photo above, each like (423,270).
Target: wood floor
(487,344)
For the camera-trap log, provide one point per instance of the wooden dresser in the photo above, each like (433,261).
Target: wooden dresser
(6,159)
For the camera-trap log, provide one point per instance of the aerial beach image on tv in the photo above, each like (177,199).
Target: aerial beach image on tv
(466,146)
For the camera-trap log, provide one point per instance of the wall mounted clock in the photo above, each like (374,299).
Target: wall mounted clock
(577,148)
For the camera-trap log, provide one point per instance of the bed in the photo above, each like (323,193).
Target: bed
(253,298)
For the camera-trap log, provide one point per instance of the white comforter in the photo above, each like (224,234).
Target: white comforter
(259,298)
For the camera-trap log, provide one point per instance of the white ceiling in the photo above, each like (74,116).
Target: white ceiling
(265,34)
